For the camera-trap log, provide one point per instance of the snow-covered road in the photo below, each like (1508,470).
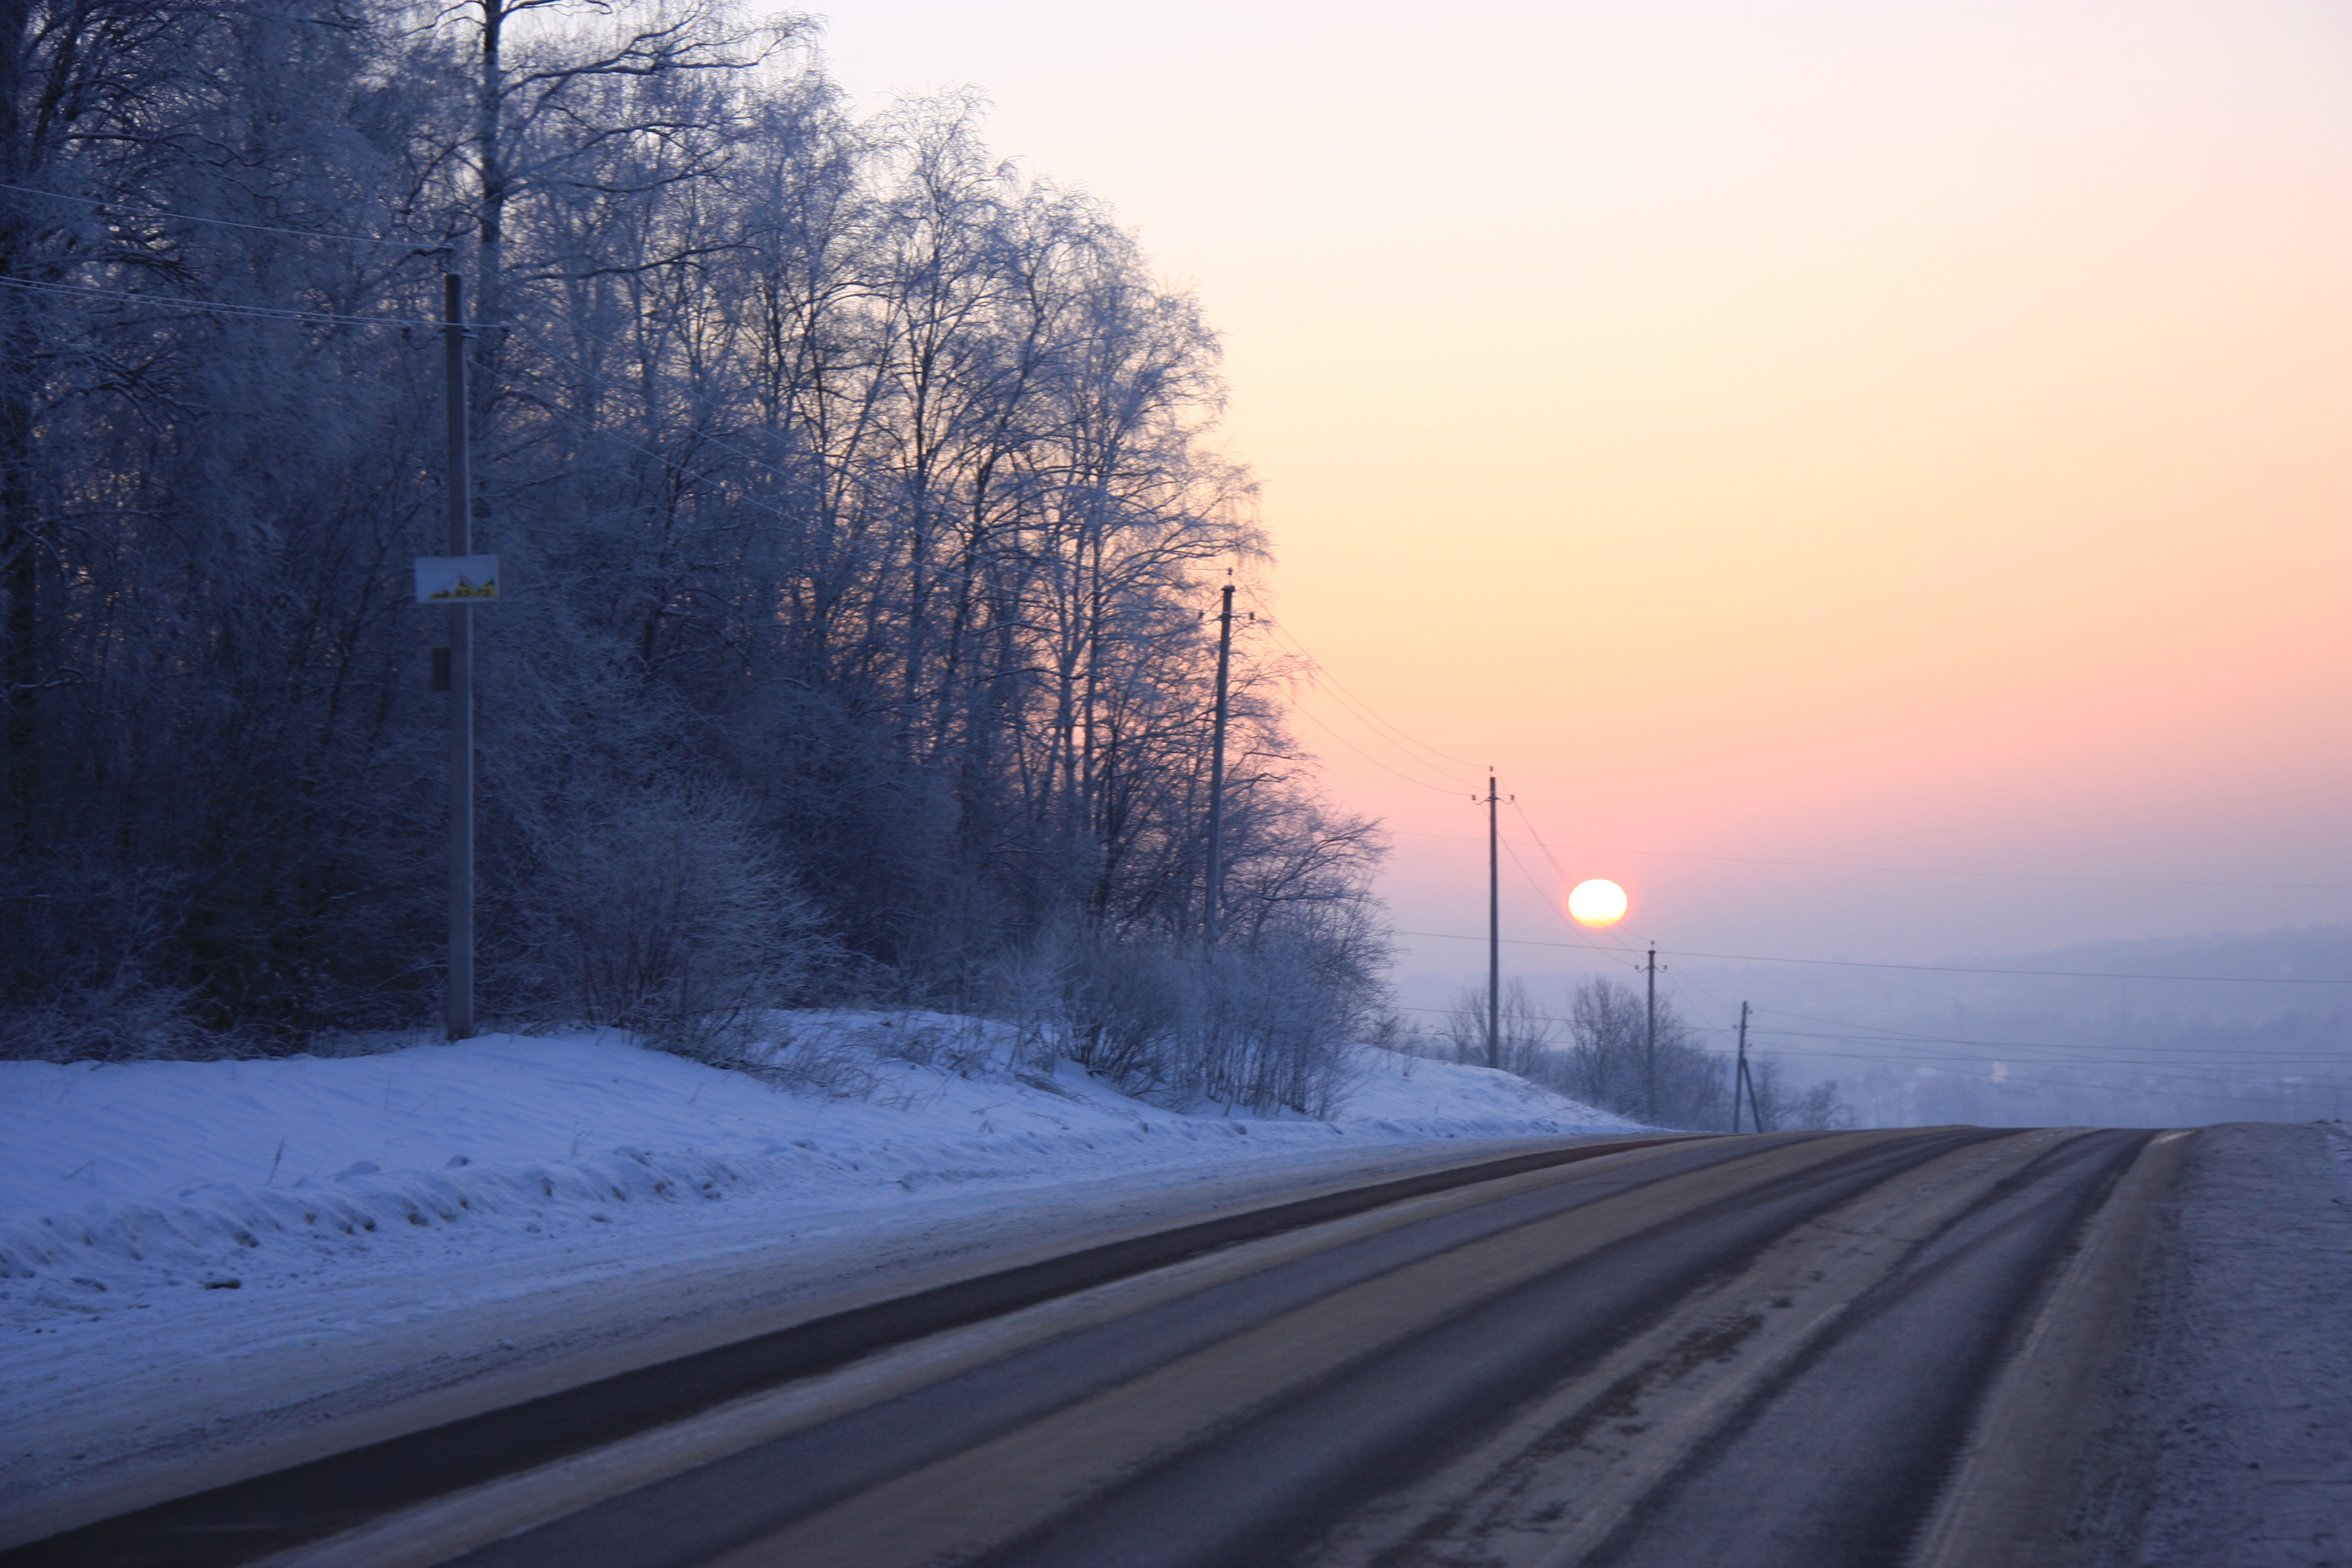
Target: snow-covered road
(1795,1350)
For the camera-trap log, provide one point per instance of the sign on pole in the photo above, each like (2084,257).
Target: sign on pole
(456,579)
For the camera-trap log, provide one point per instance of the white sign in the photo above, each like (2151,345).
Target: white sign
(456,579)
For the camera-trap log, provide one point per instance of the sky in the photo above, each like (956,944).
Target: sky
(1872,478)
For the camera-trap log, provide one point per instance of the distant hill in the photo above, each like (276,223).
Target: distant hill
(2169,1031)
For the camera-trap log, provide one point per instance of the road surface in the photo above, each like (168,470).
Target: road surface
(1802,1350)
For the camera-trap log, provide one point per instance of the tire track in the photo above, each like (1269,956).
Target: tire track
(1563,1473)
(1239,1454)
(1838,1466)
(1776,1351)
(248,1520)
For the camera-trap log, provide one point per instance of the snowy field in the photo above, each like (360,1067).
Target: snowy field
(209,1255)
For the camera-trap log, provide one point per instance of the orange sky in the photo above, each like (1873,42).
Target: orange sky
(1901,434)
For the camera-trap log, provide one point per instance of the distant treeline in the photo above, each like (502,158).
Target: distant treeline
(1612,1049)
(857,526)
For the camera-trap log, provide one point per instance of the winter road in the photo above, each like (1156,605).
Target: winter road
(1803,1350)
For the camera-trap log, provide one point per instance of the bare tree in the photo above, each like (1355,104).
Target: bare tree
(1609,1060)
(1525,1034)
(1780,1106)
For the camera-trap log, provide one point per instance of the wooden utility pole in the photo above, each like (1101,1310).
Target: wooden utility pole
(1213,896)
(1650,1051)
(1493,932)
(1739,1080)
(458,1009)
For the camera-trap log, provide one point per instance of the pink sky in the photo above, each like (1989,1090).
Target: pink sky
(1903,434)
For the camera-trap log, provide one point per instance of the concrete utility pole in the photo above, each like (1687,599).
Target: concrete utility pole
(1739,1080)
(458,1012)
(1494,933)
(1649,1052)
(1213,897)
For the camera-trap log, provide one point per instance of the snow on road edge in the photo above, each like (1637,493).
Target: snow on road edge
(132,1185)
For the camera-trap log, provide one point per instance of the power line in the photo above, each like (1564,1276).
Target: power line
(2180,1072)
(268,312)
(1538,836)
(265,312)
(1920,870)
(587,422)
(2172,1071)
(1327,727)
(1897,1036)
(2049,973)
(214,222)
(1562,872)
(1379,728)
(2009,1049)
(1396,735)
(1546,897)
(1694,983)
(2001,875)
(1881,1031)
(2085,1088)
(1576,931)
(272,313)
(1922,968)
(215,307)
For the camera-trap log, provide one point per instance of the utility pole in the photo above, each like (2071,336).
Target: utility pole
(459,1015)
(1493,932)
(1650,1051)
(1739,1078)
(1214,898)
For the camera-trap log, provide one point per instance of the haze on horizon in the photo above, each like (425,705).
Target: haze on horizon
(1881,434)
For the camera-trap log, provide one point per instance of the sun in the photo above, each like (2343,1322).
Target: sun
(1599,902)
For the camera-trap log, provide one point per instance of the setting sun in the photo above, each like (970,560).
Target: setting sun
(1599,902)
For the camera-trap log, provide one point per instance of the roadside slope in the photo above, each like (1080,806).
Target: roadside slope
(416,1232)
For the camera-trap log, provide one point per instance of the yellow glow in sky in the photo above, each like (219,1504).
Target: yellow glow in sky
(1893,433)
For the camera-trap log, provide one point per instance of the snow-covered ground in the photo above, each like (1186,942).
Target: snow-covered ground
(126,1180)
(205,1258)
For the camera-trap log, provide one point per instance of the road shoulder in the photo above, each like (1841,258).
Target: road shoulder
(2230,1446)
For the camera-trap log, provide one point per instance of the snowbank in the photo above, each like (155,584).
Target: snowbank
(119,1182)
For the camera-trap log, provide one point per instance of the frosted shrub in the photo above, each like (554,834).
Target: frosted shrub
(77,973)
(666,916)
(1275,1028)
(1261,1025)
(1128,1008)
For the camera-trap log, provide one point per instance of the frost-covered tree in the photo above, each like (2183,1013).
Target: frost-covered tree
(855,503)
